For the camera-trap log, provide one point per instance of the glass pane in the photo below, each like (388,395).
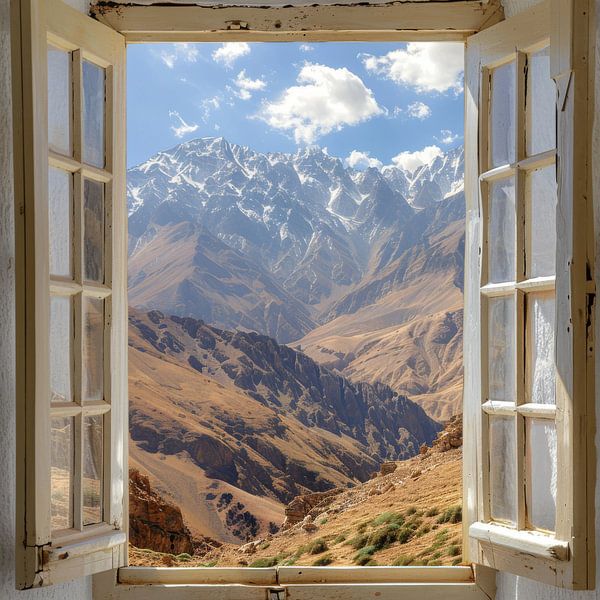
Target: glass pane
(541,473)
(543,195)
(501,231)
(93,349)
(502,114)
(93,114)
(93,252)
(501,350)
(61,474)
(92,469)
(60,349)
(503,469)
(59,221)
(540,353)
(541,104)
(59,100)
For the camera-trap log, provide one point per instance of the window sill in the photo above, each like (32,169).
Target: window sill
(293,583)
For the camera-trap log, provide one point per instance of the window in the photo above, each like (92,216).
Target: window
(526,371)
(72,306)
(71,251)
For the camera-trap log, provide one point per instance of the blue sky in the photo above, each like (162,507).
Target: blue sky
(370,103)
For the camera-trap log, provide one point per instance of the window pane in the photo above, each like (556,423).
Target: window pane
(59,100)
(92,469)
(93,253)
(501,231)
(60,349)
(501,350)
(93,114)
(541,473)
(61,476)
(540,353)
(541,104)
(503,469)
(59,221)
(93,349)
(502,114)
(542,194)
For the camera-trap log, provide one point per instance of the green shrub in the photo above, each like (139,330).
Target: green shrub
(358,542)
(434,563)
(432,512)
(269,561)
(388,517)
(453,550)
(183,556)
(422,531)
(317,546)
(264,545)
(371,563)
(404,534)
(323,521)
(364,555)
(403,561)
(323,561)
(457,561)
(411,510)
(339,538)
(384,536)
(453,514)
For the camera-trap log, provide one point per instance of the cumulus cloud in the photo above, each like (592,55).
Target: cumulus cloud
(180,52)
(325,100)
(182,128)
(229,52)
(306,48)
(447,137)
(424,66)
(409,161)
(362,160)
(418,110)
(246,86)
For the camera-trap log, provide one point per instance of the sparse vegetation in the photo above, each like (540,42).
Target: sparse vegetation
(317,547)
(269,561)
(453,514)
(403,561)
(453,550)
(364,555)
(323,561)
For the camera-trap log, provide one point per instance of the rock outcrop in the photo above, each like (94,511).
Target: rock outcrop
(154,523)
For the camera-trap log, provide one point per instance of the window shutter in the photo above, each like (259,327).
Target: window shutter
(71,252)
(528,401)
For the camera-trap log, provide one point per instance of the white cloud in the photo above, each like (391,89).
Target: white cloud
(208,105)
(174,53)
(361,160)
(229,52)
(325,100)
(183,128)
(424,66)
(409,161)
(418,110)
(247,86)
(447,137)
(306,48)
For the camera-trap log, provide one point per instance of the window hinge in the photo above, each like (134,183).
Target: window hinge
(277,593)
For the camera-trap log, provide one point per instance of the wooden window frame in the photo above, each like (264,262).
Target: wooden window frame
(439,21)
(564,559)
(43,556)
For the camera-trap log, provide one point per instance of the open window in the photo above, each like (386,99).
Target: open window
(69,164)
(527,305)
(528,466)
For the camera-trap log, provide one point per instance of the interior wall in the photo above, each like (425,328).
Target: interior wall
(81,589)
(519,588)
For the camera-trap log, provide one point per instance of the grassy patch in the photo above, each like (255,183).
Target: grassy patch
(317,547)
(388,517)
(384,536)
(323,561)
(452,514)
(432,512)
(457,561)
(269,561)
(364,555)
(403,561)
(453,550)
(358,542)
(339,539)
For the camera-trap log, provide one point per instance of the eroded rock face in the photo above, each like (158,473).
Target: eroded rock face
(301,507)
(154,523)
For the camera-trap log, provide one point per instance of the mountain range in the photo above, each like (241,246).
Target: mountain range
(361,270)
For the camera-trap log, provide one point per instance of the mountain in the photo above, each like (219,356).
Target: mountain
(230,425)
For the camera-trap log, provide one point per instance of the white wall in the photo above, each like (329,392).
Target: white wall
(519,588)
(79,590)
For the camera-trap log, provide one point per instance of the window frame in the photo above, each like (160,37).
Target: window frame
(228,23)
(44,557)
(562,559)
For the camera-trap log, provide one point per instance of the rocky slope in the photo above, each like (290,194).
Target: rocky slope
(407,513)
(231,425)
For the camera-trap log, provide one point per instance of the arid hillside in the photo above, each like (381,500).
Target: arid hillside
(231,426)
(409,513)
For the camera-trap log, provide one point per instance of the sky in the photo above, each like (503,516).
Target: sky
(372,104)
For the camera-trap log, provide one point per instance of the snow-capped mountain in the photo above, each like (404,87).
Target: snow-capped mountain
(266,241)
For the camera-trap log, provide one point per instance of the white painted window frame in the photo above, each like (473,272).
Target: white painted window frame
(412,20)
(564,558)
(43,556)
